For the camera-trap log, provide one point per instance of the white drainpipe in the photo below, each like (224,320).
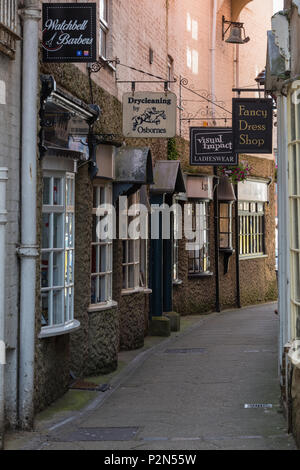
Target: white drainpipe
(3,222)
(28,250)
(213,51)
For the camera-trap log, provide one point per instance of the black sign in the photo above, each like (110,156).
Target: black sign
(69,32)
(252,125)
(211,146)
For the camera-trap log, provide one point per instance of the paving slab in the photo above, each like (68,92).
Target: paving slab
(189,393)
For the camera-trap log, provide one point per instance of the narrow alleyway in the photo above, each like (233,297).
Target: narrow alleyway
(190,393)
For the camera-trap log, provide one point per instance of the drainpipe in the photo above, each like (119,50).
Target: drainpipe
(3,221)
(28,250)
(213,50)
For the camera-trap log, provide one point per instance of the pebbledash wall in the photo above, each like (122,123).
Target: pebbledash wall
(93,348)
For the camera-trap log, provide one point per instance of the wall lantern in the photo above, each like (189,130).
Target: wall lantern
(226,198)
(237,32)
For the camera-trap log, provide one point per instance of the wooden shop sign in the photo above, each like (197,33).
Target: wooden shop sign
(211,146)
(252,125)
(69,32)
(149,114)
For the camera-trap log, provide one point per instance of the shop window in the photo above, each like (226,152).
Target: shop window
(104,29)
(134,262)
(251,228)
(101,249)
(225,216)
(57,253)
(199,259)
(8,27)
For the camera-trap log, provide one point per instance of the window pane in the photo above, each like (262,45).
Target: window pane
(45,231)
(45,296)
(45,270)
(102,47)
(46,191)
(58,307)
(57,269)
(58,231)
(57,192)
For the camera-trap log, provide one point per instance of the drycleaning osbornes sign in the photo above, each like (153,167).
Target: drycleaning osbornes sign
(211,146)
(149,114)
(252,125)
(69,32)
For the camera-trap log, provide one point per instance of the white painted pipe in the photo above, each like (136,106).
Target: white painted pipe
(28,250)
(213,52)
(3,222)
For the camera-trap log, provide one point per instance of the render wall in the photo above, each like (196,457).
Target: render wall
(10,112)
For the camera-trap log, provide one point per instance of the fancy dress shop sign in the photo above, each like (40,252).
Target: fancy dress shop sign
(211,146)
(252,125)
(69,32)
(149,114)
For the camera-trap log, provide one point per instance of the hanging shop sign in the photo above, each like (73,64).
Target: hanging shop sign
(211,146)
(69,32)
(149,114)
(252,125)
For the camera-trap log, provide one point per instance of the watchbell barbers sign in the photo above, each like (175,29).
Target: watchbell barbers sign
(149,114)
(211,146)
(252,125)
(69,32)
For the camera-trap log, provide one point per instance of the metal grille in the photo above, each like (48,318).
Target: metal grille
(258,405)
(8,27)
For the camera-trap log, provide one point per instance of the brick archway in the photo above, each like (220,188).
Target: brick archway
(236,8)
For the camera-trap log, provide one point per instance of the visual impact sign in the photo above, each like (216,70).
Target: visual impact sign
(69,32)
(252,125)
(149,114)
(211,146)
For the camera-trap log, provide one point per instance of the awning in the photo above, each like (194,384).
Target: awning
(199,187)
(168,177)
(133,165)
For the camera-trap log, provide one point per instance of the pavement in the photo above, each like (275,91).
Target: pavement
(191,391)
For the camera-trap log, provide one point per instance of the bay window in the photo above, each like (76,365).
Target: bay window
(101,249)
(199,258)
(251,232)
(57,252)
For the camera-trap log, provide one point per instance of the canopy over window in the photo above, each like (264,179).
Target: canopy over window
(168,177)
(133,165)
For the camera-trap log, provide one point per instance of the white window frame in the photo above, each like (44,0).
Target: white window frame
(102,194)
(176,231)
(196,257)
(251,229)
(65,288)
(103,26)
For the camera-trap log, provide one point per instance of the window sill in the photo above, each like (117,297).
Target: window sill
(49,331)
(104,306)
(245,257)
(177,282)
(137,290)
(199,275)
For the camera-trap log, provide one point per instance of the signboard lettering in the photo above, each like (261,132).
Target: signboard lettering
(252,124)
(69,32)
(149,114)
(211,146)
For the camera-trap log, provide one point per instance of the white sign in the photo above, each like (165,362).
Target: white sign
(149,114)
